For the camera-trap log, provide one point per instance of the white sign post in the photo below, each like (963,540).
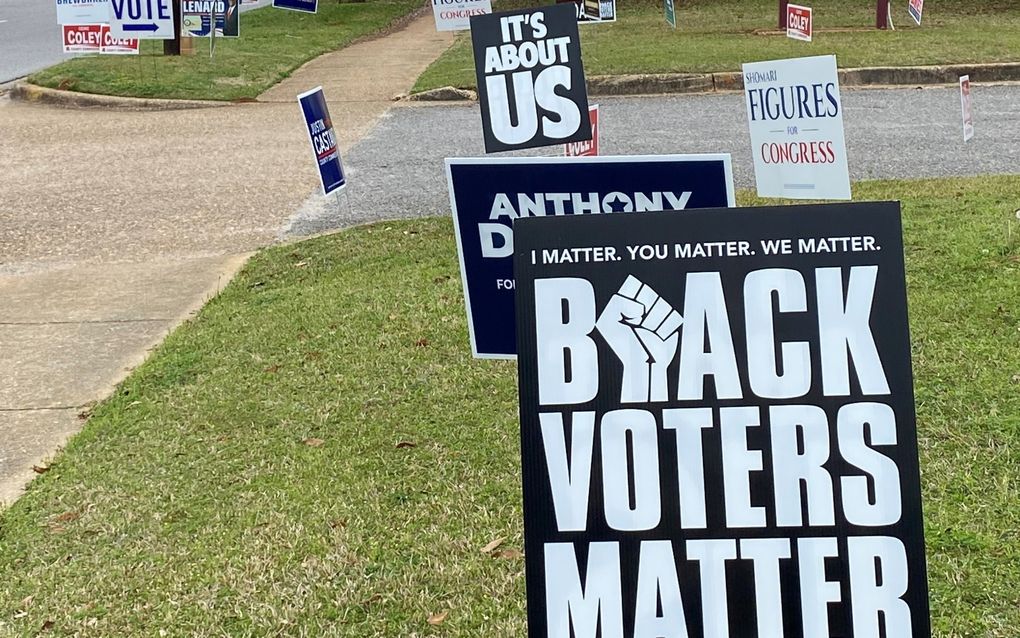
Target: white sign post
(796,122)
(142,19)
(968,115)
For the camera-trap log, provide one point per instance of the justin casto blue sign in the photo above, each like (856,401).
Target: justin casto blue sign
(323,140)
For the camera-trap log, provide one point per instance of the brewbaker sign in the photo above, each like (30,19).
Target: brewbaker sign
(530,79)
(717,425)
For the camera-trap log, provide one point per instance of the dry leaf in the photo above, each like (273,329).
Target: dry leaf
(437,619)
(421,343)
(40,469)
(406,444)
(48,625)
(67,517)
(374,598)
(273,369)
(339,523)
(313,442)
(508,554)
(488,549)
(301,264)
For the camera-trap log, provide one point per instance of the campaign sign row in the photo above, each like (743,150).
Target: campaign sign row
(96,38)
(153,19)
(455,15)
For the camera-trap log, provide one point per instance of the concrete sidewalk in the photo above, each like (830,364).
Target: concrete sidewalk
(118,225)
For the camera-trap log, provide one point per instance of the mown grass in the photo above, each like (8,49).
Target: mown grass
(273,43)
(720,35)
(316,454)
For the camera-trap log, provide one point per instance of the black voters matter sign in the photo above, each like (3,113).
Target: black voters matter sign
(530,78)
(717,425)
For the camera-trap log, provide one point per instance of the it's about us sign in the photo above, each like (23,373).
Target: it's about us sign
(530,78)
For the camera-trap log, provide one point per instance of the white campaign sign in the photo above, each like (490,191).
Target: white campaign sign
(82,11)
(795,118)
(142,19)
(455,15)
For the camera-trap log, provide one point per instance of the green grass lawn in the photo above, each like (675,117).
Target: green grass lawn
(273,43)
(720,35)
(317,453)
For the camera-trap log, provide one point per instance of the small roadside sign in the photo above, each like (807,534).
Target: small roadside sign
(323,140)
(196,16)
(118,46)
(795,118)
(96,38)
(455,15)
(144,19)
(590,148)
(79,12)
(798,22)
(968,115)
(308,6)
(916,8)
(670,12)
(83,38)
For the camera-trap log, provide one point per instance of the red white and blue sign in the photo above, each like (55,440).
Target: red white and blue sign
(308,6)
(916,9)
(323,140)
(488,194)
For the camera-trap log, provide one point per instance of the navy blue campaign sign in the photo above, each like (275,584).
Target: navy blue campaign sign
(308,6)
(320,134)
(487,194)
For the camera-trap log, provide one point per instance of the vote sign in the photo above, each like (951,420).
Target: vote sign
(795,117)
(798,22)
(717,425)
(530,78)
(488,196)
(323,140)
(143,19)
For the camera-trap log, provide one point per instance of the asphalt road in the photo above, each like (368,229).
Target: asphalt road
(398,170)
(30,38)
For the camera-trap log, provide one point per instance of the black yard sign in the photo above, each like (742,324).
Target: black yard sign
(530,78)
(717,425)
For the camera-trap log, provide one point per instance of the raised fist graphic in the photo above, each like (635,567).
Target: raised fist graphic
(642,329)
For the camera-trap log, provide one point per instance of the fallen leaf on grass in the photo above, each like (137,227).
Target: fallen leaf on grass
(374,598)
(40,469)
(508,554)
(421,343)
(273,369)
(67,517)
(301,264)
(488,549)
(437,619)
(313,442)
(48,625)
(406,444)
(339,523)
